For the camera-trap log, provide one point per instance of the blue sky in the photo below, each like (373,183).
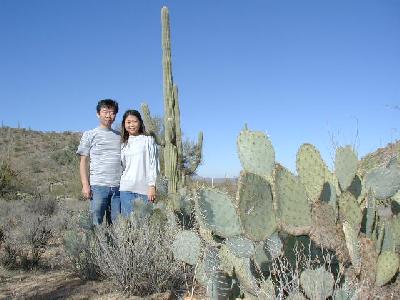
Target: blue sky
(322,72)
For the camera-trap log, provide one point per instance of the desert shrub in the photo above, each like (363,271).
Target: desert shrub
(67,155)
(26,228)
(285,271)
(135,254)
(8,178)
(78,241)
(43,206)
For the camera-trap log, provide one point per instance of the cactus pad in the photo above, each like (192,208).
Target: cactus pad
(311,170)
(255,207)
(388,264)
(216,212)
(349,210)
(186,247)
(274,245)
(353,246)
(256,152)
(240,246)
(296,296)
(267,290)
(293,209)
(262,257)
(395,224)
(384,182)
(241,267)
(345,166)
(318,283)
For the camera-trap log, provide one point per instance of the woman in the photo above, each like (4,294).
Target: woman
(139,162)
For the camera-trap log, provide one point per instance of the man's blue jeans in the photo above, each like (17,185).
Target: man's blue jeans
(105,201)
(127,199)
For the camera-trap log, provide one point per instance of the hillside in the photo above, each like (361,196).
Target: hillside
(39,162)
(379,157)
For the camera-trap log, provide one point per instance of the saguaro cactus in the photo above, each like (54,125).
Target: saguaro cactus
(173,155)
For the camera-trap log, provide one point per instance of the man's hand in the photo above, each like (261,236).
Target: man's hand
(83,170)
(86,192)
(151,193)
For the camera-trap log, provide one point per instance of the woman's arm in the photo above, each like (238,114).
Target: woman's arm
(151,168)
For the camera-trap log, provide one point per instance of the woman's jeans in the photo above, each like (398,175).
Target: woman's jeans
(105,200)
(127,199)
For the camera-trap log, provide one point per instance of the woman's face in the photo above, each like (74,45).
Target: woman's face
(132,125)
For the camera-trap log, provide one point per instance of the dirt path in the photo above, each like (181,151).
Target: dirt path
(58,284)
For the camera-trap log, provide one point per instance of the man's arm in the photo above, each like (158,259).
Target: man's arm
(83,170)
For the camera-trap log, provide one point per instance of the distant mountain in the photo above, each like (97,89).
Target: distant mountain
(216,180)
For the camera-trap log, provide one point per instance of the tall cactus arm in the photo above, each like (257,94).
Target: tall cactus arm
(150,125)
(178,131)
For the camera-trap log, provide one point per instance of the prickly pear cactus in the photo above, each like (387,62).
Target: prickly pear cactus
(256,152)
(209,274)
(357,188)
(388,243)
(311,170)
(395,225)
(274,245)
(241,266)
(219,286)
(349,210)
(296,296)
(384,182)
(353,246)
(187,247)
(255,207)
(262,258)
(345,166)
(293,209)
(240,246)
(267,290)
(370,216)
(216,212)
(387,267)
(317,284)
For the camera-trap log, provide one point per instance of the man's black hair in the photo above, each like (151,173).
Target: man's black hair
(108,103)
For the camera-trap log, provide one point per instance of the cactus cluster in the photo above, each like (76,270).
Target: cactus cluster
(272,203)
(233,240)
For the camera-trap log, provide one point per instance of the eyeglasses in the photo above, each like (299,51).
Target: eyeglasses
(107,112)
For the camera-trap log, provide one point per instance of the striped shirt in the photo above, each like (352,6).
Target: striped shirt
(103,146)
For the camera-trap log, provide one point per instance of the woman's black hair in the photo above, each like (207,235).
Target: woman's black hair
(124,133)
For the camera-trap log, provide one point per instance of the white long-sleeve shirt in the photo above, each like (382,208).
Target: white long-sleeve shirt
(139,163)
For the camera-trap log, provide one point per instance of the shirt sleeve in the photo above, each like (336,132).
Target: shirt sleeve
(123,156)
(152,163)
(85,144)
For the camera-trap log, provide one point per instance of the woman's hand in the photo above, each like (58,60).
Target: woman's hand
(151,193)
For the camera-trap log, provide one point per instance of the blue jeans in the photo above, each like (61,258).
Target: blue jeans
(127,199)
(105,200)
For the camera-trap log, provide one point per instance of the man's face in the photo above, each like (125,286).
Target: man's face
(106,117)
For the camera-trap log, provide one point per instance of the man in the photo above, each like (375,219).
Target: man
(100,149)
